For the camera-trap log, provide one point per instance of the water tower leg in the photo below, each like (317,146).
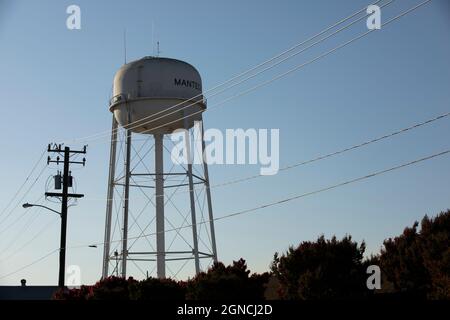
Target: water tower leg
(126,205)
(208,199)
(109,200)
(159,188)
(192,197)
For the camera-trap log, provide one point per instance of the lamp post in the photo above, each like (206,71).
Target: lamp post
(63,240)
(29,205)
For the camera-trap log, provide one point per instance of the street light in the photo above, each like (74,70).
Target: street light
(61,248)
(29,205)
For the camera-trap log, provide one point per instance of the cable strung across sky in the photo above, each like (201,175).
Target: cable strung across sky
(140,121)
(284,74)
(285,200)
(309,161)
(232,79)
(257,208)
(295,68)
(24,183)
(324,156)
(150,119)
(18,204)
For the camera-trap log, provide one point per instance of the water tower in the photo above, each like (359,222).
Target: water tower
(151,200)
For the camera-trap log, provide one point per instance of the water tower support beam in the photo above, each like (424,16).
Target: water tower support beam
(109,200)
(192,197)
(159,188)
(126,205)
(208,199)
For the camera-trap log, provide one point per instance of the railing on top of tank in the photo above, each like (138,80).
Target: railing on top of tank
(117,98)
(122,97)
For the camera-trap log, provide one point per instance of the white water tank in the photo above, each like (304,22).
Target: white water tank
(154,95)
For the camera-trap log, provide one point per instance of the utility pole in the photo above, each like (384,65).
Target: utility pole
(64,196)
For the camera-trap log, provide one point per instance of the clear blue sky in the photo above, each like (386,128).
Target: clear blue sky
(55,85)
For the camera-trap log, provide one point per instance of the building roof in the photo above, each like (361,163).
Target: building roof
(27,292)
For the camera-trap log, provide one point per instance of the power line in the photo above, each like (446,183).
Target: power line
(24,213)
(303,195)
(335,186)
(237,213)
(247,78)
(39,233)
(253,68)
(21,200)
(338,47)
(19,233)
(297,196)
(291,70)
(30,264)
(24,183)
(329,155)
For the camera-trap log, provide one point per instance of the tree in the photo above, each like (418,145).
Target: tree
(418,263)
(112,288)
(75,294)
(414,264)
(157,289)
(227,283)
(325,269)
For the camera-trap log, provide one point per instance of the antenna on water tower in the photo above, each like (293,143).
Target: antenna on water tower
(153,38)
(157,53)
(125,45)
